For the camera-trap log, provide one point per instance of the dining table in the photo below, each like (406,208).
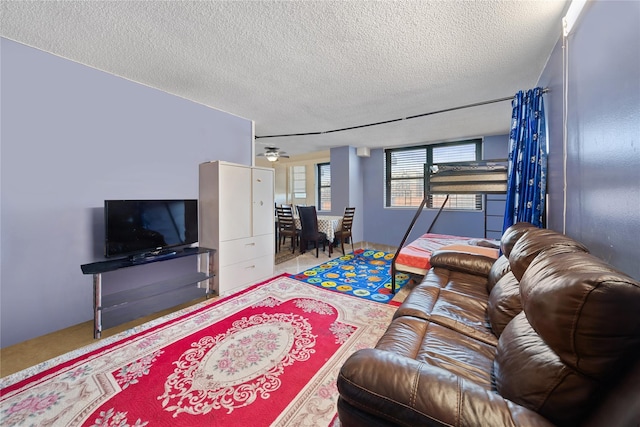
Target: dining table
(327,224)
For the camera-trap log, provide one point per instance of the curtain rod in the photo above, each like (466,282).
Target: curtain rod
(446,110)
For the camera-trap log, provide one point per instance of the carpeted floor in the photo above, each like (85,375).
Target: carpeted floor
(285,255)
(364,273)
(274,350)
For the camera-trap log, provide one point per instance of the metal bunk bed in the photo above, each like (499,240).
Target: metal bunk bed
(483,177)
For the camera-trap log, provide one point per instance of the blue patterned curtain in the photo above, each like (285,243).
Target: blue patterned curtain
(527,180)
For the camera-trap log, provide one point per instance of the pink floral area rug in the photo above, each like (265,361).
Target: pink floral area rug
(269,355)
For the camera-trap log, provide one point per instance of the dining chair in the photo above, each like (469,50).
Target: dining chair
(310,233)
(345,231)
(296,207)
(286,227)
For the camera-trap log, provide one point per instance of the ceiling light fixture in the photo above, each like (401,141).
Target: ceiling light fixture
(271,156)
(570,19)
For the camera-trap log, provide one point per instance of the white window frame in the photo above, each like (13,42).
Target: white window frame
(324,204)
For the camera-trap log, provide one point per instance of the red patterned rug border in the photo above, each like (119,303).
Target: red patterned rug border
(7,384)
(224,346)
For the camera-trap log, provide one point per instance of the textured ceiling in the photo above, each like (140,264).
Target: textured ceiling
(313,66)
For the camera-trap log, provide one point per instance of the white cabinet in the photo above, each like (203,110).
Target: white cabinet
(237,219)
(263,206)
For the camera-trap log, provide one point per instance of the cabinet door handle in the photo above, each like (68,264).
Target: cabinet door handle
(251,266)
(250,244)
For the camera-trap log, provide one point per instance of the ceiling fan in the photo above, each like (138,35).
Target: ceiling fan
(273,154)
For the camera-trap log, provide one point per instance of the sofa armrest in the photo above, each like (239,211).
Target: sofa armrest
(479,265)
(405,391)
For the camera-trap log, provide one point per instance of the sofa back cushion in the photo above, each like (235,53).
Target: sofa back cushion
(536,240)
(528,372)
(509,238)
(498,270)
(578,327)
(462,262)
(512,234)
(504,303)
(586,310)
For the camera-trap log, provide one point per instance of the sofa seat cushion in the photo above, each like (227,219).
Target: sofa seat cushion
(452,299)
(423,297)
(450,309)
(440,346)
(383,388)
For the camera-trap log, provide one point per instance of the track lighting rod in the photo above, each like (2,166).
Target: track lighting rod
(446,110)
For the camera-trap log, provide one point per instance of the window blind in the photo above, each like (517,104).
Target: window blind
(404,174)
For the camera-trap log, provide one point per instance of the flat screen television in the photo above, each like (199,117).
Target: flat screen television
(149,227)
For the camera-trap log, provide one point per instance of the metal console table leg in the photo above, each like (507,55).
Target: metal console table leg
(97,305)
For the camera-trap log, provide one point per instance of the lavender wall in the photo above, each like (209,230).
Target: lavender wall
(603,129)
(388,225)
(73,136)
(346,187)
(339,164)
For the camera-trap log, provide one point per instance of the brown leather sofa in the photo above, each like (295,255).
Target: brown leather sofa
(546,335)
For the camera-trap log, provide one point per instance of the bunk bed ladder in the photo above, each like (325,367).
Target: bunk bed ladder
(406,236)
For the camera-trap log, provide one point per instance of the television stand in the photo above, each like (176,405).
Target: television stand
(130,304)
(154,255)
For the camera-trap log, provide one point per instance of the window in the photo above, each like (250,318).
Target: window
(324,186)
(405,180)
(299,175)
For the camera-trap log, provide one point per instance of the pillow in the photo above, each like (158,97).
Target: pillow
(494,244)
(490,252)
